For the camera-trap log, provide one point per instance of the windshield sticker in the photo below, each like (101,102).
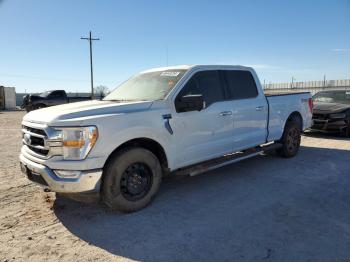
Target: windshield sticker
(167,73)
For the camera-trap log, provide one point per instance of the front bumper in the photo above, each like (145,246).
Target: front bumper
(329,125)
(89,181)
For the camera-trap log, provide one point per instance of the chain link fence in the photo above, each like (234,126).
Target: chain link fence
(310,86)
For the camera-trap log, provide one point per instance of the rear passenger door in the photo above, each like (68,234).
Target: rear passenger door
(205,134)
(249,109)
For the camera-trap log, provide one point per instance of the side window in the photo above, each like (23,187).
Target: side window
(60,94)
(57,94)
(52,95)
(205,83)
(241,84)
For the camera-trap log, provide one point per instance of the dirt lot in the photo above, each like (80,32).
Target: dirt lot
(266,208)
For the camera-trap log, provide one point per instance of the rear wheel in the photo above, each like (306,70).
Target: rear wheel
(131,179)
(347,129)
(290,139)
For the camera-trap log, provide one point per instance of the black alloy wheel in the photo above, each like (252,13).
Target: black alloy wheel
(291,139)
(131,179)
(136,181)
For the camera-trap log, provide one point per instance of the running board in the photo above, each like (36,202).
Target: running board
(225,160)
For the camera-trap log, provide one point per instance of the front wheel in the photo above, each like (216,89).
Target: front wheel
(39,106)
(131,180)
(290,140)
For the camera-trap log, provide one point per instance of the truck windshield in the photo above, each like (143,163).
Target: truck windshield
(45,94)
(342,97)
(147,86)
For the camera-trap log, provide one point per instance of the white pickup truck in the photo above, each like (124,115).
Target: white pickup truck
(172,120)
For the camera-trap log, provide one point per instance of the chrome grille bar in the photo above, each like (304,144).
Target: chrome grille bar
(42,141)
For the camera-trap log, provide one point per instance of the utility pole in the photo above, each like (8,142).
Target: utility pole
(91,73)
(292,81)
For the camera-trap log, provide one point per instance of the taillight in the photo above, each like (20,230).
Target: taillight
(311,104)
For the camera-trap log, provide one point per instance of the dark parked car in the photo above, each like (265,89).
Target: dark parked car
(331,111)
(49,98)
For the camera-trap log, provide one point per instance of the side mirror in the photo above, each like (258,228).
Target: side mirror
(189,103)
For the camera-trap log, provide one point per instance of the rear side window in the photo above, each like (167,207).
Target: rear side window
(205,83)
(241,84)
(57,94)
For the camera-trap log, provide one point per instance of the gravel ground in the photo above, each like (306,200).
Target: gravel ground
(262,209)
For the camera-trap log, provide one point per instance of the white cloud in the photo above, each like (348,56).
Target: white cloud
(340,49)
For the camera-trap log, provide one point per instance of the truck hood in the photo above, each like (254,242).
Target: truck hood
(35,96)
(328,108)
(79,111)
(31,97)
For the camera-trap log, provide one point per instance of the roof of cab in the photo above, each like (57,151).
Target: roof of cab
(187,67)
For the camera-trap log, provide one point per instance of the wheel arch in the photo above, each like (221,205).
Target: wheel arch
(143,142)
(295,116)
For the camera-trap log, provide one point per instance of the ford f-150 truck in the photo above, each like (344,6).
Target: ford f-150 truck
(164,121)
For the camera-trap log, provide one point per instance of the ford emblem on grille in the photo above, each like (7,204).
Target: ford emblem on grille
(27,139)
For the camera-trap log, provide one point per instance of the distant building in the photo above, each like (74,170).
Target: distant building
(7,98)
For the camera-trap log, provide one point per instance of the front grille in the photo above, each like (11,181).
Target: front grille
(37,141)
(35,130)
(320,116)
(39,151)
(34,139)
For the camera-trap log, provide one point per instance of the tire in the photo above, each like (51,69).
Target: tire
(131,179)
(347,129)
(290,139)
(28,108)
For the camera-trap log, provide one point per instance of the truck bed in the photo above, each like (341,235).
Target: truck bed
(281,105)
(72,99)
(282,93)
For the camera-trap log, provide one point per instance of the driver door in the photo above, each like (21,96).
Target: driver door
(205,134)
(57,98)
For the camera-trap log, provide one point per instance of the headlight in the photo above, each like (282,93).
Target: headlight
(340,115)
(77,141)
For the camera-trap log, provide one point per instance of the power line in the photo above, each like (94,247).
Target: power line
(91,73)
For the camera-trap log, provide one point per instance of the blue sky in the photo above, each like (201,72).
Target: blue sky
(40,46)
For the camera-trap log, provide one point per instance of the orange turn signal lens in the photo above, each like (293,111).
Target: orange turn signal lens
(74,143)
(94,136)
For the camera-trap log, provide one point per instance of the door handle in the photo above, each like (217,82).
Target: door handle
(259,108)
(225,113)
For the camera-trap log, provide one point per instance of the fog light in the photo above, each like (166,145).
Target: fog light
(67,173)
